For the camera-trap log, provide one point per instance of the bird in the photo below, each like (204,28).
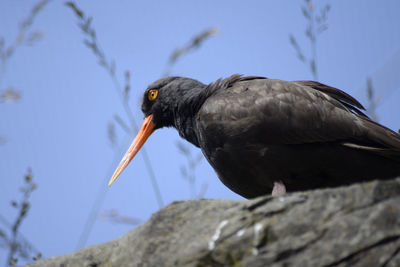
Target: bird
(264,136)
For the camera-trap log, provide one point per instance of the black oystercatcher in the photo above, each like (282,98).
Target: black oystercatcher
(262,135)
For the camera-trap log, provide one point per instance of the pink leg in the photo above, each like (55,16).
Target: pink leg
(279,189)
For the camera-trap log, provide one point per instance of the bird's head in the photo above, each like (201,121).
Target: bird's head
(161,102)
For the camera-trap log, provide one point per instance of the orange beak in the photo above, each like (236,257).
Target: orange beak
(144,133)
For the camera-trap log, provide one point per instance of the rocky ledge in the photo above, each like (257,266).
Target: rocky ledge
(358,225)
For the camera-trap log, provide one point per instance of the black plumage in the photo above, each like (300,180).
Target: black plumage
(256,132)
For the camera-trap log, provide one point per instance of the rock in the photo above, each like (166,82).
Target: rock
(358,225)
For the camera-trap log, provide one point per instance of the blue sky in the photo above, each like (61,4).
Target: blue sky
(59,127)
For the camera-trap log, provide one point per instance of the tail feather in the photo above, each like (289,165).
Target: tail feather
(382,135)
(393,154)
(377,139)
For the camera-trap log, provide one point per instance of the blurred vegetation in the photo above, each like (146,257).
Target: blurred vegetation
(193,44)
(25,36)
(15,242)
(188,170)
(373,102)
(316,24)
(114,217)
(91,41)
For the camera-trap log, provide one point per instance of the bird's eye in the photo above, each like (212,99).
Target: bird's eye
(152,95)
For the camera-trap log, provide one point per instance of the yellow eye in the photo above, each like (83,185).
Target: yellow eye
(152,95)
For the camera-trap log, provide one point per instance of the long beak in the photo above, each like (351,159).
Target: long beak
(144,133)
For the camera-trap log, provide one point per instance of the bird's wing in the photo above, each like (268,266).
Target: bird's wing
(347,100)
(270,111)
(381,136)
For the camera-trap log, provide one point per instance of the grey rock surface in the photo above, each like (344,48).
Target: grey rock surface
(358,225)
